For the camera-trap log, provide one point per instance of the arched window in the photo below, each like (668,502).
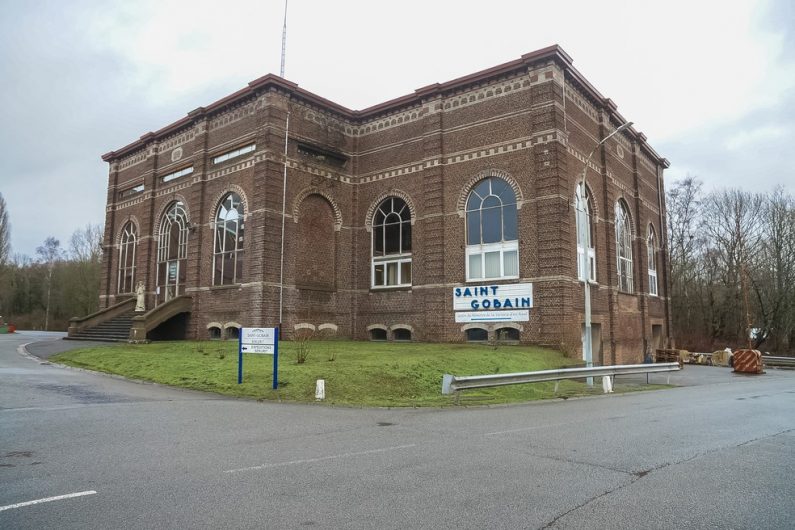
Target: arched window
(228,247)
(172,252)
(586,267)
(651,254)
(391,264)
(623,248)
(492,245)
(128,247)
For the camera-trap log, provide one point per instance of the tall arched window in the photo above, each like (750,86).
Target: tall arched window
(492,246)
(172,252)
(391,264)
(651,254)
(228,246)
(128,247)
(623,248)
(586,266)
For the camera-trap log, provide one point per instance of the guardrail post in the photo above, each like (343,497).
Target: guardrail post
(447,382)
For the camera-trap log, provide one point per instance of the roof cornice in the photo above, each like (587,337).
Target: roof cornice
(271,81)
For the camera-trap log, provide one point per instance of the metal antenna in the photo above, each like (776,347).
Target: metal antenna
(284,39)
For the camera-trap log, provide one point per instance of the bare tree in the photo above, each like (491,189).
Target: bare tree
(732,222)
(83,270)
(49,254)
(86,244)
(5,233)
(774,275)
(685,244)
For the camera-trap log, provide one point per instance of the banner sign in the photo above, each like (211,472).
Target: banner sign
(509,296)
(259,340)
(522,315)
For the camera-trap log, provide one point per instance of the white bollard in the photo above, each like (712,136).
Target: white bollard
(320,390)
(607,384)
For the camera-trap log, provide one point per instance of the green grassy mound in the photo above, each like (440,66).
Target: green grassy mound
(356,373)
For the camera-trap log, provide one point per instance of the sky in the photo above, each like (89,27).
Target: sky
(710,83)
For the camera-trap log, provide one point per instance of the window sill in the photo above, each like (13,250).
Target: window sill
(226,287)
(590,282)
(491,280)
(390,288)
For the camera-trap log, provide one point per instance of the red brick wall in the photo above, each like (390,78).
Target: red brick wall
(518,126)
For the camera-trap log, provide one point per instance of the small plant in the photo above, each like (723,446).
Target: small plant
(302,345)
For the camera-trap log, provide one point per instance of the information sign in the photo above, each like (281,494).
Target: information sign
(262,341)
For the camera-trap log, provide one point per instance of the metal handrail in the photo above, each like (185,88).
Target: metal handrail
(452,383)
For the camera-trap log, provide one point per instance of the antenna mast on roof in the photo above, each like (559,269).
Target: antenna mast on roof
(284,39)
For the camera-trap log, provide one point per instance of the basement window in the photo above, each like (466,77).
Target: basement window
(176,174)
(402,335)
(477,335)
(214,332)
(507,335)
(240,151)
(377,334)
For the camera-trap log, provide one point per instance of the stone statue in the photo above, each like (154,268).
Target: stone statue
(140,303)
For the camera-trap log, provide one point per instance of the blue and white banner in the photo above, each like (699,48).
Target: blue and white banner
(509,296)
(522,315)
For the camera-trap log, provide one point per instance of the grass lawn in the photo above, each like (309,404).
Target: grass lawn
(360,374)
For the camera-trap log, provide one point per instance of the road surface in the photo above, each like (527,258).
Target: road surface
(82,450)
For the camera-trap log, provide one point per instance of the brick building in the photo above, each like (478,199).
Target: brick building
(472,182)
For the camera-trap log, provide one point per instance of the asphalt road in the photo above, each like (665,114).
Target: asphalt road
(720,454)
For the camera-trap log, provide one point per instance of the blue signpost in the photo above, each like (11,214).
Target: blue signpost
(262,341)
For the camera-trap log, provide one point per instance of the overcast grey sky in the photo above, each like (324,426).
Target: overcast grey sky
(711,83)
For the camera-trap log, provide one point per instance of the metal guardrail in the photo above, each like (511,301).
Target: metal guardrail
(770,360)
(452,384)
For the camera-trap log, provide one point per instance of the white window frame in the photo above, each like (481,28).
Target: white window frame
(502,247)
(398,259)
(176,174)
(135,190)
(481,249)
(128,247)
(624,240)
(591,249)
(651,254)
(219,249)
(175,214)
(234,153)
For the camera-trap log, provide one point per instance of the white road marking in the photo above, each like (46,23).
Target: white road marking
(48,499)
(320,459)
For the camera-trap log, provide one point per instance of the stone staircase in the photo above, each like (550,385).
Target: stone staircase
(116,329)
